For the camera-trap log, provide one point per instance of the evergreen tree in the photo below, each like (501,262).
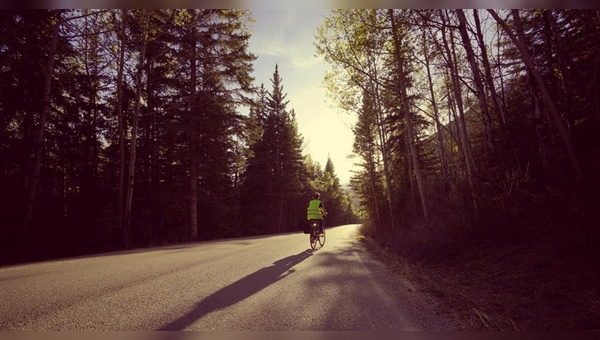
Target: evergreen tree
(22,54)
(272,195)
(90,126)
(336,198)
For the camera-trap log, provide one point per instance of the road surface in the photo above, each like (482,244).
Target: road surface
(250,284)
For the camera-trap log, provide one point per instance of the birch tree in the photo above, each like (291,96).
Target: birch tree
(477,79)
(406,108)
(352,41)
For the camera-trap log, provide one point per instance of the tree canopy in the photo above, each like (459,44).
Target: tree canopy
(478,122)
(125,128)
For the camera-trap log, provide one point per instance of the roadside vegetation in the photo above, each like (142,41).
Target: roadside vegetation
(503,287)
(477,136)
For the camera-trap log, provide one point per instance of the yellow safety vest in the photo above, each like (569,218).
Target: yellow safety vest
(314,211)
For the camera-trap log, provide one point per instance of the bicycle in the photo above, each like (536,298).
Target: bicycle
(315,236)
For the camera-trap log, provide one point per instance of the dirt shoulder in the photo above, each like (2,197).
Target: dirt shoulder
(508,288)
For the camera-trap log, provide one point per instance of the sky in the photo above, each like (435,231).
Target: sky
(284,37)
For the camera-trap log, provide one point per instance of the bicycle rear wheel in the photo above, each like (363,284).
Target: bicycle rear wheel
(313,239)
(322,238)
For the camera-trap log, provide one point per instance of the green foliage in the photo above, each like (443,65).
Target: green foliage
(520,162)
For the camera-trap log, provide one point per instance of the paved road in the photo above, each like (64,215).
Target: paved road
(260,283)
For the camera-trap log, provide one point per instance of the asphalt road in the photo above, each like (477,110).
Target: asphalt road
(260,283)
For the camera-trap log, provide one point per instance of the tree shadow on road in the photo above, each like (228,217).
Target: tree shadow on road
(239,290)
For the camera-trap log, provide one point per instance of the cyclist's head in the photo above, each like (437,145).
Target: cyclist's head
(316,196)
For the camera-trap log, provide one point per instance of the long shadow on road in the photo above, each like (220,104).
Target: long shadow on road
(239,290)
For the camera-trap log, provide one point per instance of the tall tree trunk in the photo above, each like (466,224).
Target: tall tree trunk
(121,129)
(407,116)
(371,170)
(519,40)
(455,134)
(39,141)
(480,90)
(193,228)
(87,130)
(489,81)
(373,84)
(436,114)
(461,123)
(134,126)
(385,154)
(542,127)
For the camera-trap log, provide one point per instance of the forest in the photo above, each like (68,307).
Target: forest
(478,140)
(471,123)
(124,128)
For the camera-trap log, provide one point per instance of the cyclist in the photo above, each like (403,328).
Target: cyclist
(316,210)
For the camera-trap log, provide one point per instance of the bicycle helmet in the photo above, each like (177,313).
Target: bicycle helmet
(316,196)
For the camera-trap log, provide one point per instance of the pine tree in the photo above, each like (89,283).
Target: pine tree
(272,200)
